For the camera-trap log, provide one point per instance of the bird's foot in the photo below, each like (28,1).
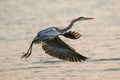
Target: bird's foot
(24,55)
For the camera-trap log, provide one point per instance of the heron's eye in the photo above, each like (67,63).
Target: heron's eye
(81,17)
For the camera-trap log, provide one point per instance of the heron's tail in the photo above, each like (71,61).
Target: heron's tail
(72,35)
(36,40)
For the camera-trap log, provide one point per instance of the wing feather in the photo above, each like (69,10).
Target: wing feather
(72,35)
(59,49)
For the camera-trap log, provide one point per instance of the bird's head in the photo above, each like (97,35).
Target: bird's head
(82,18)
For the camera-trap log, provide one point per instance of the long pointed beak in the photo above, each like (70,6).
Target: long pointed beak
(88,18)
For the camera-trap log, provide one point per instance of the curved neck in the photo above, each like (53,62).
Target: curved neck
(68,27)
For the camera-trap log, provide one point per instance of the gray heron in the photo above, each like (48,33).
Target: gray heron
(56,47)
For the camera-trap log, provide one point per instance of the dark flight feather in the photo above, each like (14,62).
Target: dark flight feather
(59,49)
(72,35)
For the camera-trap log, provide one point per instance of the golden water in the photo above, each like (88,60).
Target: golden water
(20,20)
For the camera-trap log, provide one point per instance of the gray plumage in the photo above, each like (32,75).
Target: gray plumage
(54,46)
(48,33)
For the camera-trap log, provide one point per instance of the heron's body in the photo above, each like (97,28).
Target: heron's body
(56,47)
(48,33)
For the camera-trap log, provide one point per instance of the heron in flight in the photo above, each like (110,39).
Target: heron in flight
(56,47)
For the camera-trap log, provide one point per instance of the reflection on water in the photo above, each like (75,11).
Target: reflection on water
(100,41)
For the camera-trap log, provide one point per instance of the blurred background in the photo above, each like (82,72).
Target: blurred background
(21,20)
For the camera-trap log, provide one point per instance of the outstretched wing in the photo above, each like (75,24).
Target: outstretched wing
(72,35)
(59,49)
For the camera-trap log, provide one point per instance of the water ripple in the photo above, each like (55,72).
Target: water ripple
(51,62)
(19,69)
(112,69)
(109,59)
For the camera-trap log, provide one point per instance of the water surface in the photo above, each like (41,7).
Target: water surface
(20,20)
